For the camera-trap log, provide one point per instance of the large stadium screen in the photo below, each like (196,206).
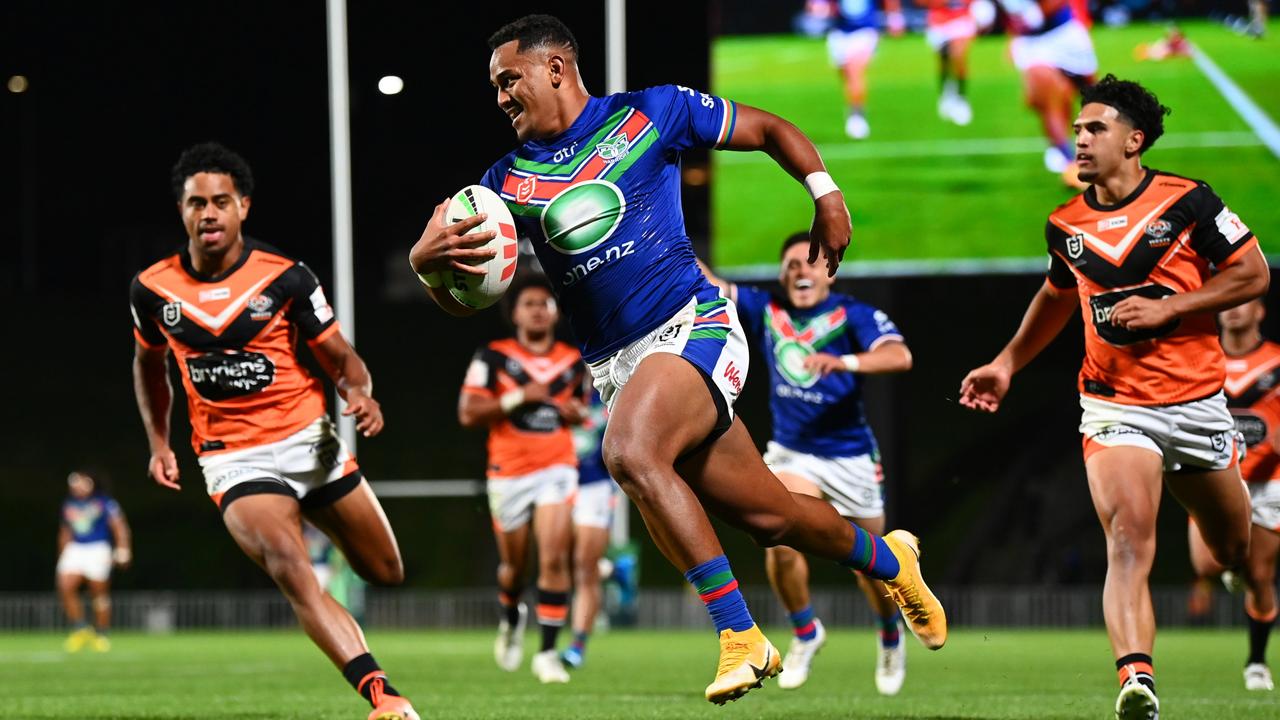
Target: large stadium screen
(932,194)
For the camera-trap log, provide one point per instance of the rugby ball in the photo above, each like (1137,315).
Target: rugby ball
(481,291)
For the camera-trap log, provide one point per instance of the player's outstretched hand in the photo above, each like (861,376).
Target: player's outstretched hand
(1139,313)
(163,468)
(983,388)
(449,247)
(367,411)
(831,230)
(823,364)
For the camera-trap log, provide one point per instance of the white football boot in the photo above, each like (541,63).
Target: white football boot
(891,666)
(508,648)
(1257,677)
(1137,702)
(857,127)
(795,666)
(548,668)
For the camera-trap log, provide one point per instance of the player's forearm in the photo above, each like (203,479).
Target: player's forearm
(155,399)
(1046,316)
(121,534)
(64,537)
(791,149)
(884,359)
(353,377)
(477,411)
(1235,284)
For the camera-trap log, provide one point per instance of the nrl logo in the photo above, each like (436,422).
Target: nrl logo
(615,149)
(1075,245)
(524,190)
(171,313)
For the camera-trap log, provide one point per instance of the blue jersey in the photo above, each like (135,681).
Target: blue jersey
(87,518)
(814,414)
(601,203)
(588,442)
(855,15)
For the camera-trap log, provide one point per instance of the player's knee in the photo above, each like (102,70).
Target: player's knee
(554,565)
(784,558)
(630,463)
(1231,553)
(385,571)
(1131,549)
(768,529)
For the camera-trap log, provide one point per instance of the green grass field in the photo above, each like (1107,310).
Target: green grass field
(921,189)
(980,674)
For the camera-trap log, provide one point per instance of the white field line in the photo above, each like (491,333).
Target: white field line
(1255,117)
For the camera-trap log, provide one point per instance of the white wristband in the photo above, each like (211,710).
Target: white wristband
(431,279)
(511,400)
(121,556)
(850,363)
(819,184)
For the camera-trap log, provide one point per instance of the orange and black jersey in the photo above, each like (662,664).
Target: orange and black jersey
(1163,239)
(235,340)
(1253,394)
(534,435)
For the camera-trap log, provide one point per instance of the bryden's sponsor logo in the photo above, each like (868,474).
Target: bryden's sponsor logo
(580,219)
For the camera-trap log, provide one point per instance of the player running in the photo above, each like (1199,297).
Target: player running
(818,345)
(592,516)
(527,391)
(231,310)
(93,535)
(1052,49)
(950,27)
(851,42)
(596,184)
(1253,394)
(1136,253)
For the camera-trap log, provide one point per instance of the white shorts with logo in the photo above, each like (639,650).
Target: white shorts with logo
(855,46)
(1266,503)
(312,465)
(954,29)
(1066,47)
(512,499)
(853,485)
(593,507)
(91,560)
(1198,435)
(706,332)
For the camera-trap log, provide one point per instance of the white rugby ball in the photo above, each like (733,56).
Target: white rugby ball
(481,291)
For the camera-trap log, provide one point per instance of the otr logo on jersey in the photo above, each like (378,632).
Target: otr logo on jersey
(583,216)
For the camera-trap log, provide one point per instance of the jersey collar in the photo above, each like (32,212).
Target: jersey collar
(586,120)
(1091,194)
(185,255)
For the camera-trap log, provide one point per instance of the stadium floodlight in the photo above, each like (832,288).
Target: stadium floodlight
(390,85)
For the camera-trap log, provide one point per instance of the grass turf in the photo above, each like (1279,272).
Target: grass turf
(921,189)
(994,673)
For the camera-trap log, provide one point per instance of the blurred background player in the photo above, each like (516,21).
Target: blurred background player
(1052,50)
(817,345)
(665,348)
(851,43)
(1133,254)
(592,516)
(527,391)
(1253,394)
(231,309)
(950,26)
(93,535)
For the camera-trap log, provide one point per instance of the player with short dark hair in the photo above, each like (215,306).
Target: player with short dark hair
(231,310)
(526,391)
(93,536)
(1148,257)
(596,184)
(1253,394)
(818,346)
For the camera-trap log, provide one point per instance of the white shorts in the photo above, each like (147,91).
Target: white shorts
(856,46)
(1266,504)
(954,29)
(312,465)
(1067,47)
(593,507)
(1192,436)
(92,560)
(512,499)
(706,332)
(853,485)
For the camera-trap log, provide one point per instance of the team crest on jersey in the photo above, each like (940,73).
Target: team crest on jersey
(171,313)
(1157,229)
(260,306)
(614,149)
(525,189)
(1075,245)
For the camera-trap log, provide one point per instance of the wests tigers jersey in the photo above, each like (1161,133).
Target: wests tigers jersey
(1253,395)
(1161,240)
(533,436)
(234,337)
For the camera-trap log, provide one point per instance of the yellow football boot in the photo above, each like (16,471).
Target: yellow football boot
(78,639)
(920,607)
(100,643)
(746,659)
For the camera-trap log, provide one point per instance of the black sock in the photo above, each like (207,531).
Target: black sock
(944,68)
(960,81)
(1259,633)
(1140,667)
(509,604)
(553,610)
(367,678)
